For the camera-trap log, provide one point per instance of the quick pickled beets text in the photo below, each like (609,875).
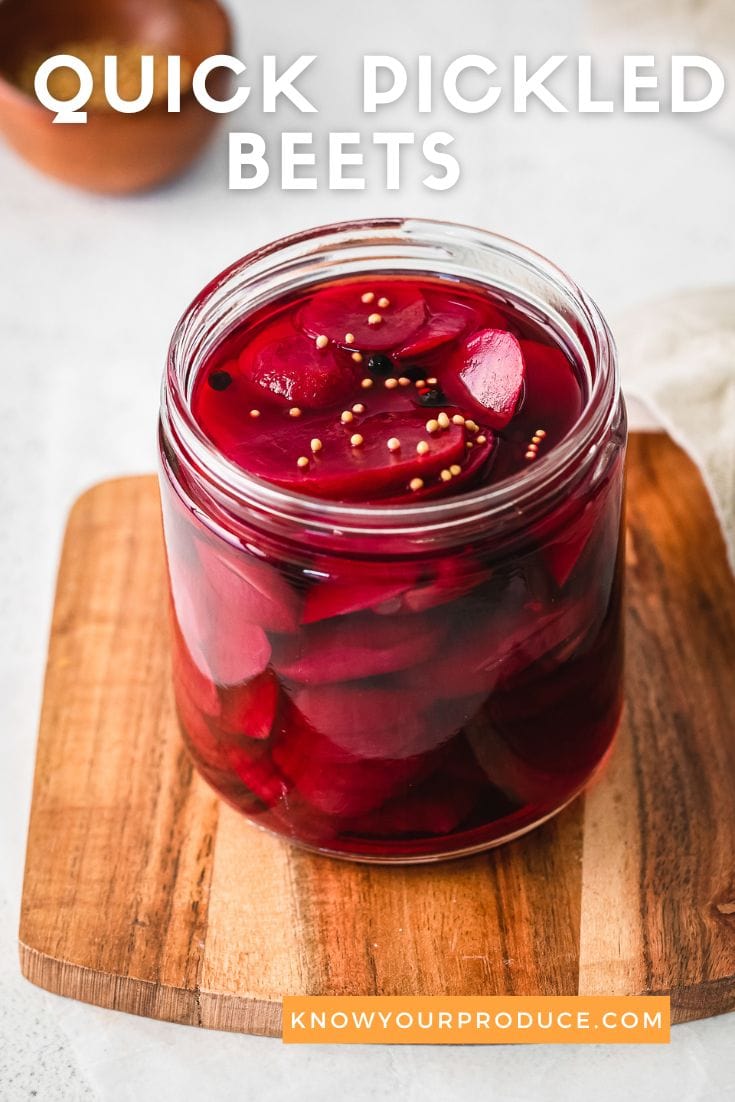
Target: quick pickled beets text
(472,84)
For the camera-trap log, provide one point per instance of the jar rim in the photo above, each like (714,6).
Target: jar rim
(504,501)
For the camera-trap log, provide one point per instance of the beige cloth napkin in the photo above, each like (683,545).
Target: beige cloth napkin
(677,356)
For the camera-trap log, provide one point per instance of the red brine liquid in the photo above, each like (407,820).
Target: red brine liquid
(411,705)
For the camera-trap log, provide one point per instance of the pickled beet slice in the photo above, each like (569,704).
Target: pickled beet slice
(294,369)
(217,627)
(434,808)
(563,553)
(497,646)
(343,470)
(198,734)
(355,587)
(491,369)
(258,772)
(519,779)
(473,463)
(450,579)
(552,397)
(447,320)
(247,588)
(338,311)
(190,672)
(250,709)
(237,650)
(331,780)
(575,528)
(353,647)
(347,790)
(365,722)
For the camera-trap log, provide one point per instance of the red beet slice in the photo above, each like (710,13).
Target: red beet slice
(216,621)
(341,470)
(552,398)
(564,552)
(447,320)
(190,671)
(575,528)
(355,586)
(294,369)
(340,310)
(496,646)
(491,368)
(437,807)
(250,709)
(198,734)
(446,718)
(472,462)
(329,599)
(364,722)
(330,779)
(520,780)
(237,651)
(258,772)
(451,578)
(247,588)
(347,790)
(354,647)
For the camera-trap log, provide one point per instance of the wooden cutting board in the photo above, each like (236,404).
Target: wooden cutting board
(143,892)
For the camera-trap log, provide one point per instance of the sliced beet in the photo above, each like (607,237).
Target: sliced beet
(355,586)
(259,773)
(563,553)
(473,465)
(249,588)
(497,646)
(354,647)
(519,779)
(295,370)
(573,528)
(455,674)
(198,733)
(237,650)
(365,722)
(338,311)
(445,719)
(250,709)
(490,370)
(214,608)
(190,669)
(333,781)
(347,790)
(497,640)
(553,397)
(436,807)
(450,578)
(342,470)
(447,320)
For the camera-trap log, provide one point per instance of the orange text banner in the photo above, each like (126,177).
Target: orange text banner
(474,1020)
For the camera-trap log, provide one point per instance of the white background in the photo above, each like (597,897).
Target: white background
(633,206)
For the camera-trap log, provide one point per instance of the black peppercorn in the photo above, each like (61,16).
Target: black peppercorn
(432,397)
(380,364)
(220,380)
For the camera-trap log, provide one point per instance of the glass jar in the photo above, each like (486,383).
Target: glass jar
(470,684)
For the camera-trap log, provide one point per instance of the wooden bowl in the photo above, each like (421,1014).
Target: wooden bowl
(111,153)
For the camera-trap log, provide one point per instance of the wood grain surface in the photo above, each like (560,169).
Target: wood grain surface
(144,893)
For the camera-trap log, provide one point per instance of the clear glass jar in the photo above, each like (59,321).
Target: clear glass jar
(476,685)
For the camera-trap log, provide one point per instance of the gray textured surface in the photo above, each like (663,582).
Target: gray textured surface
(36,1058)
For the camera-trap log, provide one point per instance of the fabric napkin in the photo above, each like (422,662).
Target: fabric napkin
(677,356)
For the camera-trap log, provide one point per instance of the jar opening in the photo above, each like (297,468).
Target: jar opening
(399,246)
